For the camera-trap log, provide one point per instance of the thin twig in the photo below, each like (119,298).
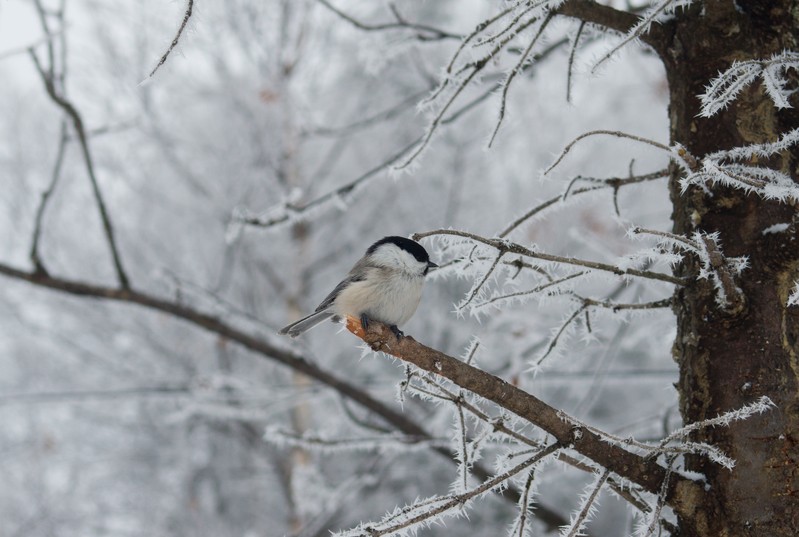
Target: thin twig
(581,517)
(479,28)
(618,134)
(344,190)
(515,71)
(483,281)
(476,67)
(405,104)
(560,332)
(401,23)
(56,175)
(535,290)
(176,39)
(616,306)
(455,500)
(570,65)
(613,182)
(681,240)
(661,499)
(524,503)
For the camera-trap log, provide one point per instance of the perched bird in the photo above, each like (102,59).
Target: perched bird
(385,285)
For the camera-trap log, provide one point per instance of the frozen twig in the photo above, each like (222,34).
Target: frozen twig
(661,498)
(426,511)
(554,341)
(643,25)
(570,64)
(578,522)
(610,182)
(617,134)
(176,39)
(723,89)
(535,290)
(289,210)
(515,71)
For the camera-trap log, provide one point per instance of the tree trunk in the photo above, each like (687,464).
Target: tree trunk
(730,359)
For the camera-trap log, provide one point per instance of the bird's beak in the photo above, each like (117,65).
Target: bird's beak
(430,265)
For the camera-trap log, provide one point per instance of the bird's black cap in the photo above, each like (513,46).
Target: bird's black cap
(410,246)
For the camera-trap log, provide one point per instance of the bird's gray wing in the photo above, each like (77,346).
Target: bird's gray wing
(357,274)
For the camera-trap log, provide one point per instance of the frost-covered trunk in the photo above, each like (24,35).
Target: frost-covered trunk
(729,359)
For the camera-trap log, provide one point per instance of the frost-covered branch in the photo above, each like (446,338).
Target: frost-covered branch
(723,89)
(722,271)
(644,24)
(587,505)
(514,72)
(511,247)
(638,469)
(726,168)
(617,134)
(600,183)
(290,210)
(426,512)
(260,346)
(764,404)
(498,32)
(667,445)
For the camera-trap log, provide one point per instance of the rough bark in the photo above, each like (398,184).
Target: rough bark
(729,359)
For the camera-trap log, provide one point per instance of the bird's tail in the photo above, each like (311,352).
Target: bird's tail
(306,323)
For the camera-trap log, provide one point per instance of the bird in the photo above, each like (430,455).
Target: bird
(385,285)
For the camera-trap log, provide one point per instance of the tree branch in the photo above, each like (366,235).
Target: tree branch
(510,247)
(645,472)
(265,349)
(424,32)
(37,230)
(77,123)
(176,39)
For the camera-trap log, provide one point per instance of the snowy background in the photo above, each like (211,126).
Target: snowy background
(119,420)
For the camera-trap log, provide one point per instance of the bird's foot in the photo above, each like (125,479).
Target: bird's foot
(397,331)
(364,322)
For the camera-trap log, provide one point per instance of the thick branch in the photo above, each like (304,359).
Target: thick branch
(263,348)
(640,470)
(613,19)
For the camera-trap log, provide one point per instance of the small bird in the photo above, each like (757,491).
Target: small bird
(385,285)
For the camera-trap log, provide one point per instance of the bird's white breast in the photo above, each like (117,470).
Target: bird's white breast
(386,295)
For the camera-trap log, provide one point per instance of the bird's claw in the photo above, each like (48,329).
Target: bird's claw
(397,331)
(365,322)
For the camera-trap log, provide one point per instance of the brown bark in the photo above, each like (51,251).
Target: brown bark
(643,471)
(729,359)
